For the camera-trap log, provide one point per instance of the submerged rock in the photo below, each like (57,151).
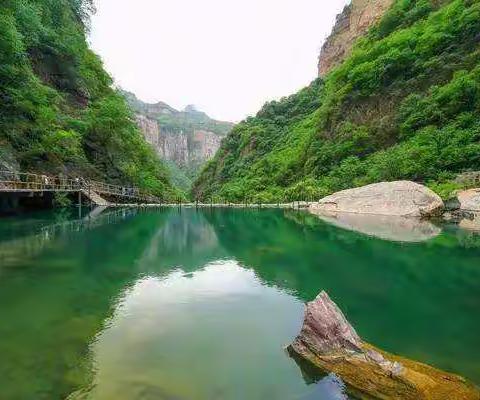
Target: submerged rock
(329,342)
(397,229)
(469,200)
(400,198)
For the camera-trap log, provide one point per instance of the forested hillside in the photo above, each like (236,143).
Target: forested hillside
(58,111)
(404,105)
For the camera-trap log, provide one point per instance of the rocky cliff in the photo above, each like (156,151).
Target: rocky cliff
(354,21)
(184,148)
(186,138)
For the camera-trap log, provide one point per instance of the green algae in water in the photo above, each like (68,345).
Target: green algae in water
(194,304)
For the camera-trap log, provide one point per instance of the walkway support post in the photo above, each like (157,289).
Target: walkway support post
(80,204)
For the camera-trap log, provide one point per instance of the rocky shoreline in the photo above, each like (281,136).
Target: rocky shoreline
(397,203)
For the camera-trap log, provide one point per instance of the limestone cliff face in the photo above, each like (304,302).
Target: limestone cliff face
(183,148)
(187,138)
(173,146)
(149,128)
(204,145)
(353,22)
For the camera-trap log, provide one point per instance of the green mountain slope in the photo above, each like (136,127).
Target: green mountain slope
(404,105)
(58,111)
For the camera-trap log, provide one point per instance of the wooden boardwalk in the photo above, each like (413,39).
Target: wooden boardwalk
(108,195)
(296,205)
(96,192)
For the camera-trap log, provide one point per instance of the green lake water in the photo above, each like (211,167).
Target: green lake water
(199,304)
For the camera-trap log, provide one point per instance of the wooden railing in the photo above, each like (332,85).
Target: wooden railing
(121,191)
(21,182)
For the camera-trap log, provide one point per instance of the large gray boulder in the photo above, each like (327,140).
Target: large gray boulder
(469,200)
(400,198)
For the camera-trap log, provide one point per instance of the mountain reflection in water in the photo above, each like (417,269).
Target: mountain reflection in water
(216,333)
(194,304)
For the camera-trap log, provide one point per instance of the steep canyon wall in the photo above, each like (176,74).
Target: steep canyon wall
(354,21)
(185,149)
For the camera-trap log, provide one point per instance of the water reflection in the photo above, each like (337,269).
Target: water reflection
(32,237)
(397,295)
(53,304)
(472,223)
(397,229)
(216,333)
(191,283)
(186,240)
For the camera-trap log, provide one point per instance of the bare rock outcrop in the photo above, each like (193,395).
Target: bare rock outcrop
(469,200)
(149,127)
(204,145)
(326,330)
(353,22)
(8,162)
(182,148)
(328,342)
(186,138)
(400,198)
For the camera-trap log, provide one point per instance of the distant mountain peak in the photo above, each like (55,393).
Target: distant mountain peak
(142,107)
(191,108)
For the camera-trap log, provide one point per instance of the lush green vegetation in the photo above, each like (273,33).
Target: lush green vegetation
(404,105)
(58,111)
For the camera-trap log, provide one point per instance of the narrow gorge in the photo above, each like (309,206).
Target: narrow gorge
(152,252)
(185,139)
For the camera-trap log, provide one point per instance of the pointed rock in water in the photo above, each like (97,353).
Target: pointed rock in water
(400,198)
(330,343)
(326,330)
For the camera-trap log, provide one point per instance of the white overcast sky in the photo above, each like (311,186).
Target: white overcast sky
(227,57)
